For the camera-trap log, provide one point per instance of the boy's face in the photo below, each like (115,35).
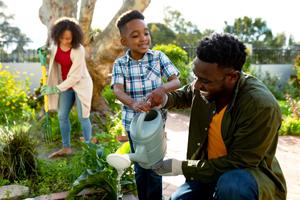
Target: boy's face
(136,37)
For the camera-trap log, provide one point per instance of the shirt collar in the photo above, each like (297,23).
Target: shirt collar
(239,84)
(128,57)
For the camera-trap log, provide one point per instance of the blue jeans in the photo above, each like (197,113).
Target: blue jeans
(66,102)
(236,184)
(148,183)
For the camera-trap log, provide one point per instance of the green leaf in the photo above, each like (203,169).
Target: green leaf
(105,179)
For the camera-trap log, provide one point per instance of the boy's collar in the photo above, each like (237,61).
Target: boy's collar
(128,57)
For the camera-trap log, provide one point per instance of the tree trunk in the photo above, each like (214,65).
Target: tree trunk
(51,10)
(101,50)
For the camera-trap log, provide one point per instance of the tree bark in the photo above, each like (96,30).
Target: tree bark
(51,10)
(85,18)
(103,49)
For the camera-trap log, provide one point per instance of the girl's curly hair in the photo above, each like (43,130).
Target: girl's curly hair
(66,23)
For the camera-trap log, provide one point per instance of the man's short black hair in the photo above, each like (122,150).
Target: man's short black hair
(222,49)
(128,16)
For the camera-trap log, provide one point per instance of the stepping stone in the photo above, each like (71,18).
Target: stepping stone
(13,191)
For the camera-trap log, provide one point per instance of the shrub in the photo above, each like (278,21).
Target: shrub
(247,65)
(291,116)
(292,88)
(13,98)
(17,154)
(271,81)
(175,53)
(179,58)
(284,107)
(294,106)
(98,173)
(111,98)
(297,66)
(290,126)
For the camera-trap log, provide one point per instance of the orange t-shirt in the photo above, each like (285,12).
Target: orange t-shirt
(216,147)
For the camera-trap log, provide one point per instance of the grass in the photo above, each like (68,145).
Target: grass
(18,154)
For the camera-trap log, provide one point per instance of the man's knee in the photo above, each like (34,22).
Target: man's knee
(236,184)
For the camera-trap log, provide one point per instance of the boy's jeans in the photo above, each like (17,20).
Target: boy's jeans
(66,101)
(148,183)
(236,184)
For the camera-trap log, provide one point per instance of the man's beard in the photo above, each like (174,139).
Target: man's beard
(204,98)
(213,97)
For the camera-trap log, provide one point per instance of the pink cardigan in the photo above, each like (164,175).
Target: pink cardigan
(78,78)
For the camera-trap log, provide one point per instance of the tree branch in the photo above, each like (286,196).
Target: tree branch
(51,10)
(85,18)
(109,40)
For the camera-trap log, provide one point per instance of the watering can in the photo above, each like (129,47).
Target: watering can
(148,138)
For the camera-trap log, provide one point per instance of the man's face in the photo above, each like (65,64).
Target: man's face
(212,81)
(136,37)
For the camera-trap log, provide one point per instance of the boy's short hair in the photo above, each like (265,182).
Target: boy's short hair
(128,16)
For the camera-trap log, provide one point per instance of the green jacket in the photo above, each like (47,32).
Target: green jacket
(250,132)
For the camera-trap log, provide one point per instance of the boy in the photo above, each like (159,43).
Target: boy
(136,75)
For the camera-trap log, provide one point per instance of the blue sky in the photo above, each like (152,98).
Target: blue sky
(280,15)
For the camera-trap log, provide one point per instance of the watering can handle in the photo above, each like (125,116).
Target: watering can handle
(42,52)
(139,123)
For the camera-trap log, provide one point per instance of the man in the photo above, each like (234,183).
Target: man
(233,131)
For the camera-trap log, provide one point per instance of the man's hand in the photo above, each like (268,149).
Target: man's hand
(156,97)
(49,90)
(141,106)
(169,167)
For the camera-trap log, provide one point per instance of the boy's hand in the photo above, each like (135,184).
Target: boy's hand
(156,97)
(141,106)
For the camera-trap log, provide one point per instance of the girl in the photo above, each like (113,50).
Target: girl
(68,80)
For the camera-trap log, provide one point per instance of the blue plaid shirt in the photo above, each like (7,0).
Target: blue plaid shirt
(140,77)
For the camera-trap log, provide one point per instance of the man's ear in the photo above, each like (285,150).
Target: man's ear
(123,41)
(234,76)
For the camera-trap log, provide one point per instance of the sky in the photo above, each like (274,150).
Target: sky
(280,15)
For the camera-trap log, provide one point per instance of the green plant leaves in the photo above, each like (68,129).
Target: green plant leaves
(17,154)
(104,179)
(13,99)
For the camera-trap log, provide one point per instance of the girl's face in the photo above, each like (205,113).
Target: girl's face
(66,38)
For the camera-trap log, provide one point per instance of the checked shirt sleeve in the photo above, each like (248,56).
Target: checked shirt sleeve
(167,67)
(117,74)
